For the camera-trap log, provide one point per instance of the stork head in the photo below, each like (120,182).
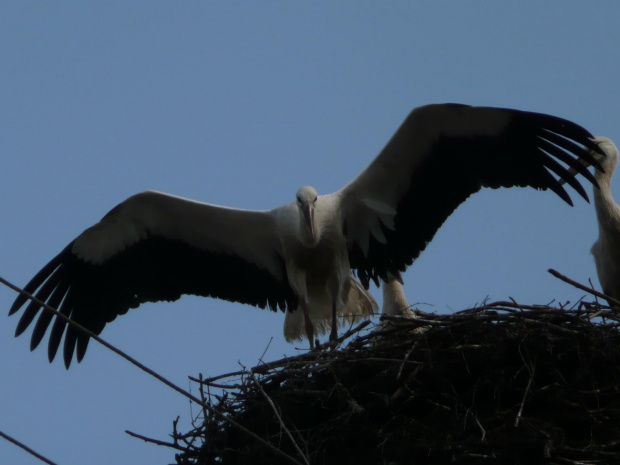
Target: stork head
(610,161)
(306,199)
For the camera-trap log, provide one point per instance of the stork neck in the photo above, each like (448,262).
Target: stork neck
(395,298)
(607,210)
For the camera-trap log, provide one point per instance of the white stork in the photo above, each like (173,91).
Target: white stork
(606,250)
(155,246)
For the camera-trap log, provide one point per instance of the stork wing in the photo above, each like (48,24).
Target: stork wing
(154,247)
(441,155)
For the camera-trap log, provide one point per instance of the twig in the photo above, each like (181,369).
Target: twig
(155,441)
(531,370)
(275,410)
(201,389)
(516,303)
(217,385)
(582,287)
(302,358)
(484,432)
(312,356)
(26,448)
(352,331)
(346,335)
(148,370)
(520,412)
(260,359)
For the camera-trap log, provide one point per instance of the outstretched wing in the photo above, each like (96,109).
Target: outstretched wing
(155,247)
(441,155)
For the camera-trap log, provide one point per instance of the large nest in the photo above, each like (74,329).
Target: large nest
(501,383)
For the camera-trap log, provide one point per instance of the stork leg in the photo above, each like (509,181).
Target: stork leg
(308,324)
(333,335)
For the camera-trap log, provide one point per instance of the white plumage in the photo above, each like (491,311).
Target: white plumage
(361,305)
(156,246)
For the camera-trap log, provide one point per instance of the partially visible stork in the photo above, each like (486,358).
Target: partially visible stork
(606,250)
(156,246)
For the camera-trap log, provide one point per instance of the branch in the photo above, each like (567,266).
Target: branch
(26,448)
(583,288)
(144,368)
(155,441)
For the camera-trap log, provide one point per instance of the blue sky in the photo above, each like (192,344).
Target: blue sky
(240,104)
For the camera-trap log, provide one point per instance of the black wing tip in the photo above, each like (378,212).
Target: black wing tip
(558,125)
(590,158)
(68,348)
(578,188)
(40,278)
(21,327)
(17,304)
(51,353)
(34,343)
(556,187)
(82,345)
(585,149)
(564,174)
(574,141)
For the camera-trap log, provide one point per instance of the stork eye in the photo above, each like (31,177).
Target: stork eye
(315,197)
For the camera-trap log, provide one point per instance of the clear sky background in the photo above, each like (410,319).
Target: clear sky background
(240,104)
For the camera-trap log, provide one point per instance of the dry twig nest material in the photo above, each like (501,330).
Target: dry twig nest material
(501,383)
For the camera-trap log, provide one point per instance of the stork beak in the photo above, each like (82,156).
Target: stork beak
(395,276)
(309,216)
